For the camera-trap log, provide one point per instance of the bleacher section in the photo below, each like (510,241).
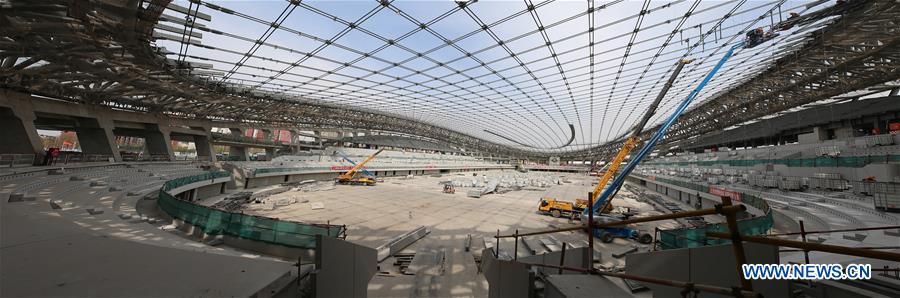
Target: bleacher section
(828,185)
(400,142)
(328,163)
(100,223)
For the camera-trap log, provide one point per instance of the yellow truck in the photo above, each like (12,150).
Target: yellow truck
(557,208)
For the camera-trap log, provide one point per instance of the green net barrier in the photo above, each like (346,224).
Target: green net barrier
(219,222)
(847,162)
(696,236)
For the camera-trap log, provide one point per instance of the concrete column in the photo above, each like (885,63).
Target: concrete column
(18,134)
(96,137)
(295,142)
(158,141)
(237,152)
(202,144)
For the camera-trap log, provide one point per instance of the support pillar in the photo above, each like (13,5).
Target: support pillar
(18,136)
(202,143)
(295,142)
(159,143)
(238,153)
(97,138)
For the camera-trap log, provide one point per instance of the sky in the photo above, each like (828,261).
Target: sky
(504,81)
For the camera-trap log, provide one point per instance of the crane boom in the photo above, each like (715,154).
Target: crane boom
(344,156)
(634,138)
(349,174)
(614,187)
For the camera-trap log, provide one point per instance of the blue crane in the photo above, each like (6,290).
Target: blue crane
(645,150)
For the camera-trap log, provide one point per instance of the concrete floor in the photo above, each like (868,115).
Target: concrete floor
(376,214)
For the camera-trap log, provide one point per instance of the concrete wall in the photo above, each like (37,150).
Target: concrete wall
(344,269)
(264,181)
(506,278)
(316,176)
(711,265)
(575,258)
(208,191)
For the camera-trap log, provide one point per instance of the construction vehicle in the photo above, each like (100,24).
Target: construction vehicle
(607,235)
(363,169)
(602,202)
(348,177)
(552,205)
(632,141)
(557,208)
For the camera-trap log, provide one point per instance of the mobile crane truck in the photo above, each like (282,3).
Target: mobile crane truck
(347,178)
(601,203)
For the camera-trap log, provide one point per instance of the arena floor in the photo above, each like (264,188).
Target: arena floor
(375,214)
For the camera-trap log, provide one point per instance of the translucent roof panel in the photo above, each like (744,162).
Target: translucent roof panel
(511,72)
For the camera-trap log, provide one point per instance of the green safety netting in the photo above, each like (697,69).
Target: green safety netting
(696,236)
(219,222)
(848,161)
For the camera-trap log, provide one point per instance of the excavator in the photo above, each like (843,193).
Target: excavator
(347,178)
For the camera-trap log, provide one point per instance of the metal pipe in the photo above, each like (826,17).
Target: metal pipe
(861,247)
(803,236)
(516,247)
(683,214)
(737,245)
(590,233)
(562,258)
(841,230)
(852,251)
(497,248)
(672,283)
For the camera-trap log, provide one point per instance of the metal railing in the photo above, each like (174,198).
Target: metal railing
(696,236)
(732,234)
(226,137)
(845,161)
(17,160)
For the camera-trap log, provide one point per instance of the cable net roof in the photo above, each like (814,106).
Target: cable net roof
(511,72)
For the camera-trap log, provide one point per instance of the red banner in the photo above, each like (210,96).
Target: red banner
(735,196)
(341,168)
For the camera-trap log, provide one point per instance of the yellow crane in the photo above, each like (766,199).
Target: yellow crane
(347,178)
(632,141)
(558,208)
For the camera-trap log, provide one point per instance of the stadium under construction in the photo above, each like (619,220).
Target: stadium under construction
(204,148)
